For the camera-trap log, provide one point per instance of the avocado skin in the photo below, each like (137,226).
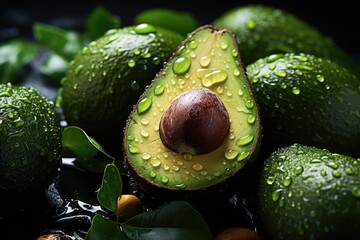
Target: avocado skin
(263,30)
(309,100)
(320,200)
(100,88)
(30,146)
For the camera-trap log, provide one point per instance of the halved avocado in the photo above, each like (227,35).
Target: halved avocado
(197,124)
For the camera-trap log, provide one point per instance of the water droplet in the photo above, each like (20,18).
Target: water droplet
(152,175)
(234,53)
(336,173)
(159,89)
(349,171)
(144,121)
(355,191)
(187,157)
(135,85)
(144,133)
(251,119)
(244,140)
(134,150)
(320,78)
(210,77)
(280,74)
(236,72)
(223,45)
(75,86)
(287,181)
(155,162)
(144,28)
(164,180)
(131,63)
(295,91)
(205,61)
(197,167)
(145,156)
(193,45)
(231,154)
(78,69)
(251,24)
(181,65)
(298,170)
(270,180)
(137,51)
(144,105)
(273,57)
(276,194)
(332,164)
(242,156)
(249,104)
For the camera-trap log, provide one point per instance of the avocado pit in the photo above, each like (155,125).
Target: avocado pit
(195,122)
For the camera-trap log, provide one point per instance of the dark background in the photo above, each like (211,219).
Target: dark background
(337,19)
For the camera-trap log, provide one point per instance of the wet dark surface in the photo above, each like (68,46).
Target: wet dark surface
(69,204)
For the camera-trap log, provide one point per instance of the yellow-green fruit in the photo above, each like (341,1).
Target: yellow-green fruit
(30,146)
(309,193)
(263,30)
(106,78)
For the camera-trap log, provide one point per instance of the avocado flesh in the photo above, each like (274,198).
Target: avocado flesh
(208,58)
(309,193)
(30,146)
(309,100)
(264,30)
(107,77)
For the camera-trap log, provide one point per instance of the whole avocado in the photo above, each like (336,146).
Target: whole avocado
(30,146)
(106,78)
(309,193)
(309,100)
(263,30)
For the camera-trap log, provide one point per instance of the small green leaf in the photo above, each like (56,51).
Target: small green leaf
(181,22)
(99,21)
(78,142)
(111,188)
(54,66)
(176,220)
(65,43)
(13,55)
(104,229)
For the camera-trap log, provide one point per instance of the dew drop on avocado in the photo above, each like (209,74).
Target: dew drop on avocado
(155,162)
(270,180)
(244,140)
(213,77)
(144,28)
(356,192)
(320,78)
(131,63)
(159,89)
(242,156)
(133,149)
(298,170)
(287,181)
(276,194)
(144,105)
(295,91)
(205,61)
(251,119)
(181,65)
(231,154)
(135,85)
(164,180)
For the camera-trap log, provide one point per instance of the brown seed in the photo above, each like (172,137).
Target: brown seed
(195,122)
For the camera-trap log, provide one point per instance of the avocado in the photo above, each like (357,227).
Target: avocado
(309,193)
(106,78)
(197,124)
(264,30)
(30,146)
(309,100)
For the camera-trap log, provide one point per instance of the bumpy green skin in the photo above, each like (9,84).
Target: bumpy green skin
(264,30)
(308,100)
(309,193)
(107,77)
(30,146)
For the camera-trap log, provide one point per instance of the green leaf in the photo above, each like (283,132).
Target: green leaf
(65,43)
(99,21)
(111,188)
(13,55)
(78,142)
(54,66)
(181,22)
(176,220)
(104,229)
